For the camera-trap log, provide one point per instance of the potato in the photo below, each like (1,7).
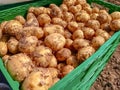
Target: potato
(38,80)
(78,34)
(67,34)
(12,27)
(67,69)
(31,9)
(43,57)
(94,16)
(111,33)
(31,20)
(88,10)
(21,19)
(115,25)
(105,26)
(3,48)
(5,38)
(5,59)
(69,2)
(102,33)
(55,80)
(88,33)
(1,33)
(55,41)
(115,15)
(97,41)
(60,66)
(72,26)
(63,54)
(27,44)
(80,43)
(55,11)
(104,18)
(64,7)
(94,24)
(82,16)
(2,26)
(50,29)
(68,16)
(82,2)
(43,19)
(75,9)
(41,10)
(19,66)
(40,42)
(30,31)
(72,60)
(59,21)
(53,72)
(69,44)
(85,53)
(12,45)
(81,25)
(95,10)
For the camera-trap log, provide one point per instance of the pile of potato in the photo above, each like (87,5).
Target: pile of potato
(40,50)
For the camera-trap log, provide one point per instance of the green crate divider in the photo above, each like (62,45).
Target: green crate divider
(7,6)
(9,14)
(82,77)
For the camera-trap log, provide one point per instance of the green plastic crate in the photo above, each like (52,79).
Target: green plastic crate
(82,77)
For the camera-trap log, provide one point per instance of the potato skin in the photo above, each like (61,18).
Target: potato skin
(43,19)
(39,80)
(115,25)
(88,33)
(64,7)
(97,41)
(85,53)
(5,59)
(59,21)
(102,33)
(43,57)
(53,29)
(12,27)
(19,66)
(67,69)
(72,60)
(75,9)
(72,26)
(63,54)
(3,48)
(53,72)
(12,45)
(78,34)
(80,43)
(30,31)
(55,11)
(69,43)
(68,16)
(1,33)
(94,24)
(55,41)
(2,26)
(115,15)
(82,17)
(27,44)
(21,19)
(104,18)
(69,2)
(67,34)
(31,20)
